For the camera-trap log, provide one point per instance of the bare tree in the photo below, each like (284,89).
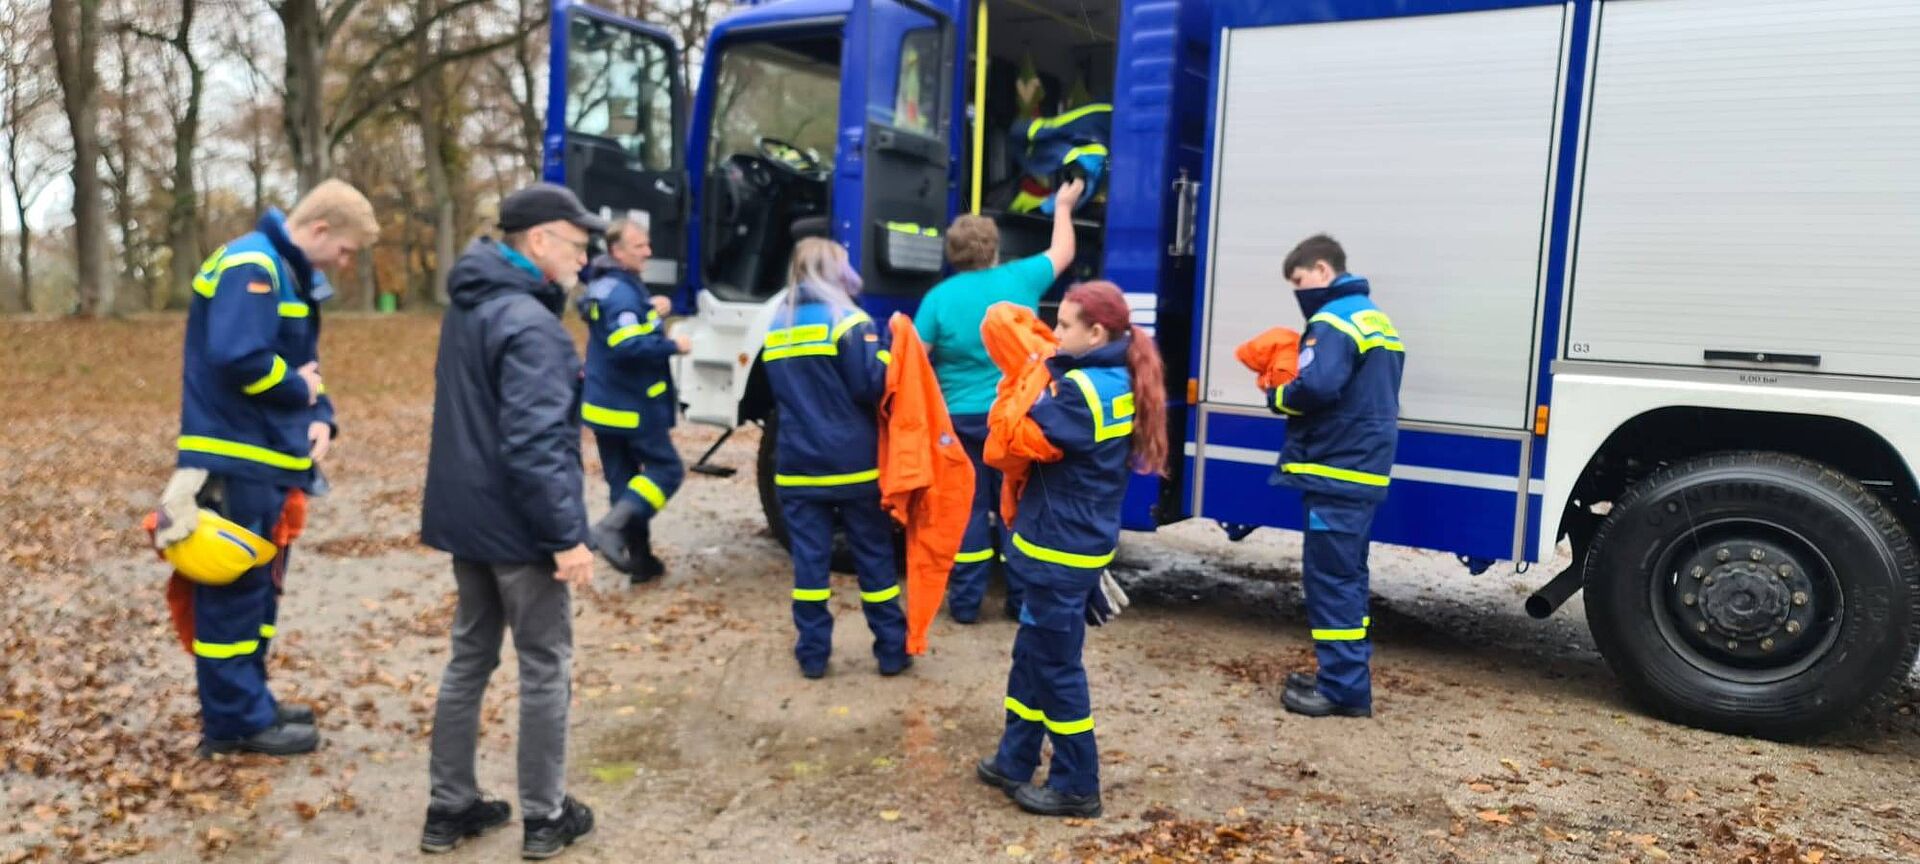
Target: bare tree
(183,214)
(517,75)
(314,128)
(27,101)
(76,52)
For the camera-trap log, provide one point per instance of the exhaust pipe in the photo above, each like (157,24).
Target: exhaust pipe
(1543,602)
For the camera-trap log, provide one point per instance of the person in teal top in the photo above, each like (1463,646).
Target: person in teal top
(949,323)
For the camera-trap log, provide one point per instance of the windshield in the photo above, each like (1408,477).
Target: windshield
(788,90)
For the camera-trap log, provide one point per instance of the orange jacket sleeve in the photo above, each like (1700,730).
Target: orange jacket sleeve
(926,479)
(1273,355)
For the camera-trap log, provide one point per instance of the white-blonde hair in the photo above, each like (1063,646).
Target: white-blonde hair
(821,273)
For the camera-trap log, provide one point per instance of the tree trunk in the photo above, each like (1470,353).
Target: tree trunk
(306,128)
(183,218)
(434,144)
(76,51)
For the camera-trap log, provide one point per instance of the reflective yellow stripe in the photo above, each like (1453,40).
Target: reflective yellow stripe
(1280,402)
(609,417)
(818,349)
(267,381)
(794,335)
(973,557)
(249,452)
(826,479)
(880,596)
(631,330)
(262,259)
(1351,634)
(649,490)
(1328,471)
(1123,405)
(658,388)
(1083,150)
(1065,559)
(294,310)
(1031,715)
(268,631)
(1379,335)
(225,650)
(1102,431)
(812,595)
(1057,727)
(848,323)
(1062,120)
(886,357)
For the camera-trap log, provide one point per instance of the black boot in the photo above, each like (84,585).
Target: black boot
(1306,681)
(990,775)
(1313,703)
(445,830)
(301,715)
(276,740)
(646,566)
(546,838)
(609,536)
(1047,801)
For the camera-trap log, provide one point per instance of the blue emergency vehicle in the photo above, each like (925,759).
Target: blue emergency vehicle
(1643,254)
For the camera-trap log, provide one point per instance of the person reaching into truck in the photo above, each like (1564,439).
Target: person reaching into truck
(1343,419)
(1104,412)
(827,366)
(949,322)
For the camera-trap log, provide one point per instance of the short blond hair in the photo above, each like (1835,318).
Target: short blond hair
(973,243)
(345,210)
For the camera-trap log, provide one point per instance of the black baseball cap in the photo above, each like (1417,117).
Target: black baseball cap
(546,202)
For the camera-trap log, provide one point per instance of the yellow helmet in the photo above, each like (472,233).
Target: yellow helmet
(218,551)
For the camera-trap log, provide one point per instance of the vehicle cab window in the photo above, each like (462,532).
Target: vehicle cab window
(770,159)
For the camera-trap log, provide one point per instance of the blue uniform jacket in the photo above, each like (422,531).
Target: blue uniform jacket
(1075,140)
(828,373)
(1344,410)
(1070,510)
(254,321)
(629,382)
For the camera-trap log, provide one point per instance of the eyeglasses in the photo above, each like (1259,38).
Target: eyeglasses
(579,245)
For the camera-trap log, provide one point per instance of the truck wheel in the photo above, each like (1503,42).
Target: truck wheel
(770,498)
(1754,593)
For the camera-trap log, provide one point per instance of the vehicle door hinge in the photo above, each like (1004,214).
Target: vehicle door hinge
(1186,200)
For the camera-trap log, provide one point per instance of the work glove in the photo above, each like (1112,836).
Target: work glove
(1106,601)
(179,509)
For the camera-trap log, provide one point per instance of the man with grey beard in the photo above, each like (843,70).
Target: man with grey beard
(505,497)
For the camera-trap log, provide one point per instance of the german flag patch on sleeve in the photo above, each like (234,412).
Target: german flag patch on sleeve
(259,288)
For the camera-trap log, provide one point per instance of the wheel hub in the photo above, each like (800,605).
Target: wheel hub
(1745,601)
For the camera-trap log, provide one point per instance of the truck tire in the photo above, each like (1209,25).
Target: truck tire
(770,498)
(1754,593)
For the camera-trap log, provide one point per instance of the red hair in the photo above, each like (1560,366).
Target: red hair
(1102,303)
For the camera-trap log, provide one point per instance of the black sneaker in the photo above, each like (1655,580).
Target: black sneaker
(1047,801)
(1313,703)
(546,838)
(276,740)
(990,775)
(445,830)
(294,714)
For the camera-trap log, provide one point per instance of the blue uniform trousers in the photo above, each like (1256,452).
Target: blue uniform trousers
(234,623)
(642,465)
(985,538)
(1334,577)
(1047,687)
(810,522)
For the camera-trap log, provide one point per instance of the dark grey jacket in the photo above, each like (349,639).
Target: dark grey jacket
(504,481)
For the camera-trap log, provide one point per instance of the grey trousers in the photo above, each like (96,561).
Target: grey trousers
(526,599)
